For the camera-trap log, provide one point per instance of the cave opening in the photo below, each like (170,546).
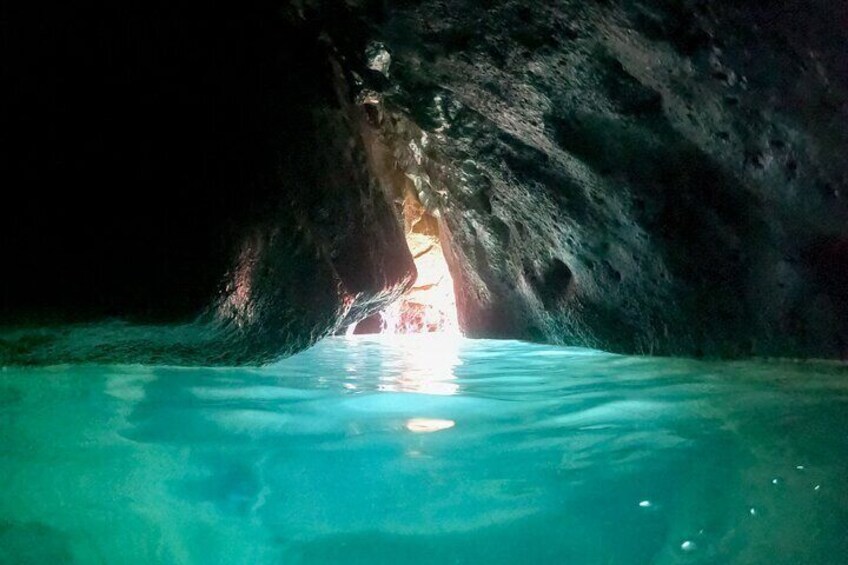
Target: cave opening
(429,306)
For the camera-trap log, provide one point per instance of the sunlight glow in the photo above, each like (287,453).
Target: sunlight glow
(427,365)
(428,425)
(430,306)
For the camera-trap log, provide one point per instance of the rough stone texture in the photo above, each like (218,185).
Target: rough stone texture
(661,177)
(183,187)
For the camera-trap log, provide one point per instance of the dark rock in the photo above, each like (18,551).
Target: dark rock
(373,324)
(661,177)
(632,176)
(184,187)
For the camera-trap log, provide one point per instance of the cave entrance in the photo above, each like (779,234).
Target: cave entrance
(430,305)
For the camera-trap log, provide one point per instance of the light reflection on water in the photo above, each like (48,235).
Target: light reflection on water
(426,449)
(427,363)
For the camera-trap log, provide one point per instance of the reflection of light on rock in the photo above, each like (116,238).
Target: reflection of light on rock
(238,304)
(430,306)
(378,58)
(426,365)
(428,425)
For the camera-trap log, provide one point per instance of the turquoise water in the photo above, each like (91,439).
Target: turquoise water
(426,450)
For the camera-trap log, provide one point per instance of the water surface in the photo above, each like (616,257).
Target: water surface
(427,450)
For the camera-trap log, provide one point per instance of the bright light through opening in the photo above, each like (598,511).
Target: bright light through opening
(430,306)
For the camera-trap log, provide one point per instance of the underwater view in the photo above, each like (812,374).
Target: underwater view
(427,449)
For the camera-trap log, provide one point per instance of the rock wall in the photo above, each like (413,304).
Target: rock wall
(645,177)
(184,187)
(662,177)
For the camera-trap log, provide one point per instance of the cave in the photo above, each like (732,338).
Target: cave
(224,189)
(371,281)
(430,303)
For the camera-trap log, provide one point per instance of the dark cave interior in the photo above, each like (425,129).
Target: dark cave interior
(228,186)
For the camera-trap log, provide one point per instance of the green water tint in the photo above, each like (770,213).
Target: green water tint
(420,450)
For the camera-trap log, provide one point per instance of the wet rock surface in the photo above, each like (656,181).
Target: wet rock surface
(185,188)
(645,177)
(651,177)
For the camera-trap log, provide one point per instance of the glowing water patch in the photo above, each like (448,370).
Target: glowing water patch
(426,364)
(428,425)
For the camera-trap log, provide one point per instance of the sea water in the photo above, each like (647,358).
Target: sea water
(427,449)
